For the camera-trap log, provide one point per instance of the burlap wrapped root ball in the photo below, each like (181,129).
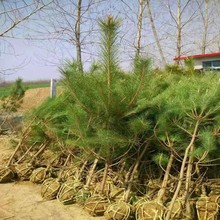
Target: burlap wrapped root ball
(207,207)
(69,174)
(96,205)
(149,210)
(50,188)
(82,195)
(116,193)
(68,191)
(140,201)
(179,212)
(119,211)
(39,175)
(24,170)
(6,175)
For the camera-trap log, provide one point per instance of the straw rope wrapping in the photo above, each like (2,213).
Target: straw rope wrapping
(149,210)
(118,211)
(96,205)
(177,212)
(68,191)
(70,174)
(39,175)
(207,207)
(140,201)
(50,188)
(24,170)
(6,175)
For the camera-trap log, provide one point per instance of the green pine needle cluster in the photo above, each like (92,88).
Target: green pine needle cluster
(111,114)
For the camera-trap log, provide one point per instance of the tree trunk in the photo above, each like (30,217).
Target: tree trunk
(179,32)
(165,179)
(170,209)
(91,173)
(107,164)
(140,21)
(206,25)
(77,35)
(188,184)
(127,193)
(155,31)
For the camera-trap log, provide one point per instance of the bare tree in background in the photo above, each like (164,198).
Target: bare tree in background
(179,23)
(205,21)
(140,22)
(155,31)
(209,19)
(77,35)
(71,24)
(13,14)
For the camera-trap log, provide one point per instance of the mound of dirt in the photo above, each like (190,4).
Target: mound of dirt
(34,97)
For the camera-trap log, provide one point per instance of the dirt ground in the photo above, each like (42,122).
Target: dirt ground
(34,97)
(22,200)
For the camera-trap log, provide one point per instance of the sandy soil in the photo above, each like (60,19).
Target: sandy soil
(22,200)
(34,97)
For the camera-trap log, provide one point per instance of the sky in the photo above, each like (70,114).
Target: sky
(38,47)
(41,59)
(26,62)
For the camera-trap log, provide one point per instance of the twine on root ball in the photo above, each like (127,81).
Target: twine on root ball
(39,175)
(149,210)
(96,205)
(50,188)
(118,211)
(6,175)
(207,207)
(68,191)
(24,170)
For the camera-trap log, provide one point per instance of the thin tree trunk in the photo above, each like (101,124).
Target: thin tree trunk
(82,169)
(206,25)
(107,164)
(170,209)
(24,135)
(188,184)
(41,150)
(77,35)
(179,32)
(165,179)
(155,31)
(91,173)
(127,193)
(140,21)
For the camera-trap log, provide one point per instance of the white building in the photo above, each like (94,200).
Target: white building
(209,61)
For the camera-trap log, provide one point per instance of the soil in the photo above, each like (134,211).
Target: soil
(22,200)
(34,97)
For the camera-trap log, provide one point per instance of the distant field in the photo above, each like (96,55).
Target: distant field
(5,87)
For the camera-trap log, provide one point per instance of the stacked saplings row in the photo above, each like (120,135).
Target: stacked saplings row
(68,186)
